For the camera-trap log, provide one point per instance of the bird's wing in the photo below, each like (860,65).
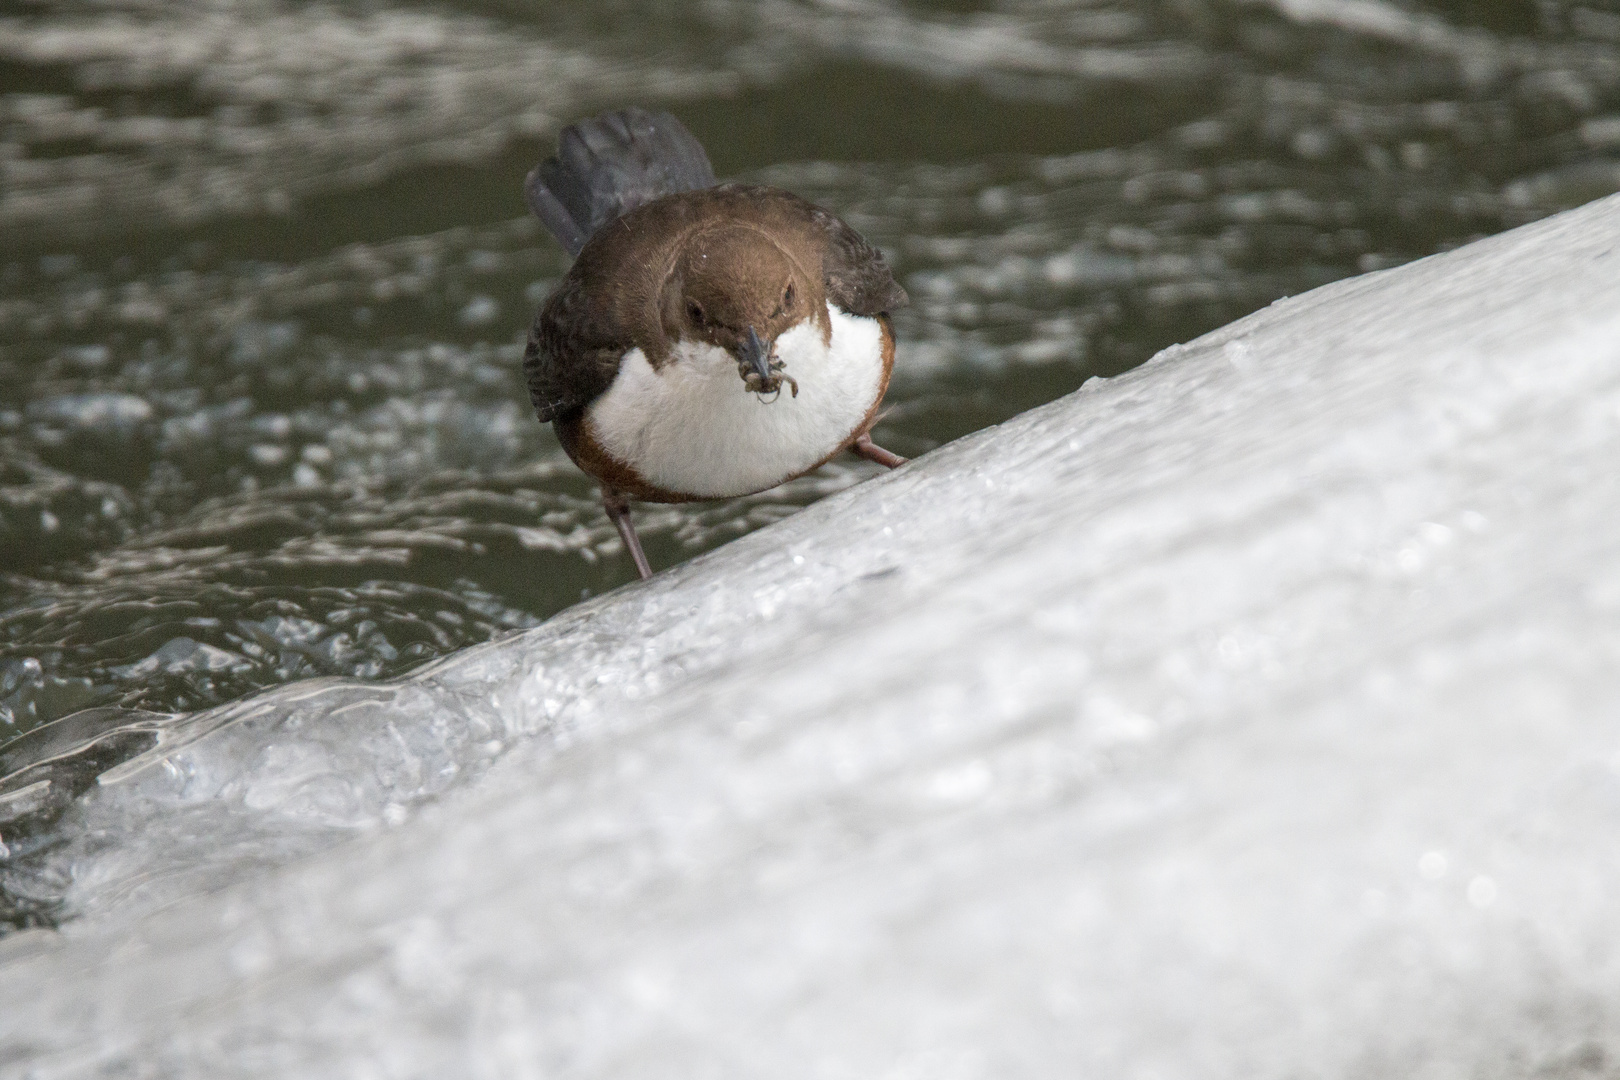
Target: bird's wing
(572,356)
(857,276)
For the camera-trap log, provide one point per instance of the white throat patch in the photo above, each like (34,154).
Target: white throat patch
(695,429)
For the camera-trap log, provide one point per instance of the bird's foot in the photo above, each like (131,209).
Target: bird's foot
(618,511)
(871,451)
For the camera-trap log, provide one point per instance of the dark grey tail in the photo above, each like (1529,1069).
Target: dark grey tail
(610,164)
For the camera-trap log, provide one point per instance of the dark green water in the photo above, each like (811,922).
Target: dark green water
(265,269)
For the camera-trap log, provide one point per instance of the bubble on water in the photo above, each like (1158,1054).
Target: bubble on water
(479,311)
(97,412)
(255,342)
(184,656)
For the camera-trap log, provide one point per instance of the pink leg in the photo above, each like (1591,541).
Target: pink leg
(618,511)
(871,451)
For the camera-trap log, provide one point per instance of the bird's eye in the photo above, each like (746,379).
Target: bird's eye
(787,297)
(695,311)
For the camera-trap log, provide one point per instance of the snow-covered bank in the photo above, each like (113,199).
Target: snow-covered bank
(1254,714)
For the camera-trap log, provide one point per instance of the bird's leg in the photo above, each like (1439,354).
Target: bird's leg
(871,451)
(618,510)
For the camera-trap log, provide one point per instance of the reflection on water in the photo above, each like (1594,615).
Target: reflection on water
(266,274)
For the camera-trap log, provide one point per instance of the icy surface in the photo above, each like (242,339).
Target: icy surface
(1252,714)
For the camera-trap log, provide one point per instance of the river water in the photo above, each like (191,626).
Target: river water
(266,269)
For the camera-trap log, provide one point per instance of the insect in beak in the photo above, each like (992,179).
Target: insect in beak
(761,372)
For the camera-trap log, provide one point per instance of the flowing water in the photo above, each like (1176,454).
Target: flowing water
(265,270)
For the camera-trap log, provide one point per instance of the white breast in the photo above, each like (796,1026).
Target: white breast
(692,426)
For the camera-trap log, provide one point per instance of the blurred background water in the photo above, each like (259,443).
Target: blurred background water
(266,268)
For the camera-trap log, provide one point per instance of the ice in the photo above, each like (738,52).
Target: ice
(1251,714)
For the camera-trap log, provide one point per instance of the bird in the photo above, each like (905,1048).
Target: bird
(709,340)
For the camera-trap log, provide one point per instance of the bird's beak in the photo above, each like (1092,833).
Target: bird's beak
(755,357)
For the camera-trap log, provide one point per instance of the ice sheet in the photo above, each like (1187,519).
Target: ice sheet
(1252,714)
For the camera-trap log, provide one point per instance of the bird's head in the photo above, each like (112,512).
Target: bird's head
(740,288)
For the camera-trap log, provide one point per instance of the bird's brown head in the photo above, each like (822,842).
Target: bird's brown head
(739,287)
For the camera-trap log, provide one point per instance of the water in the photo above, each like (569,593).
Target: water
(266,271)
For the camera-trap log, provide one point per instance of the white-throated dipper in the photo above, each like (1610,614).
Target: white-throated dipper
(662,357)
